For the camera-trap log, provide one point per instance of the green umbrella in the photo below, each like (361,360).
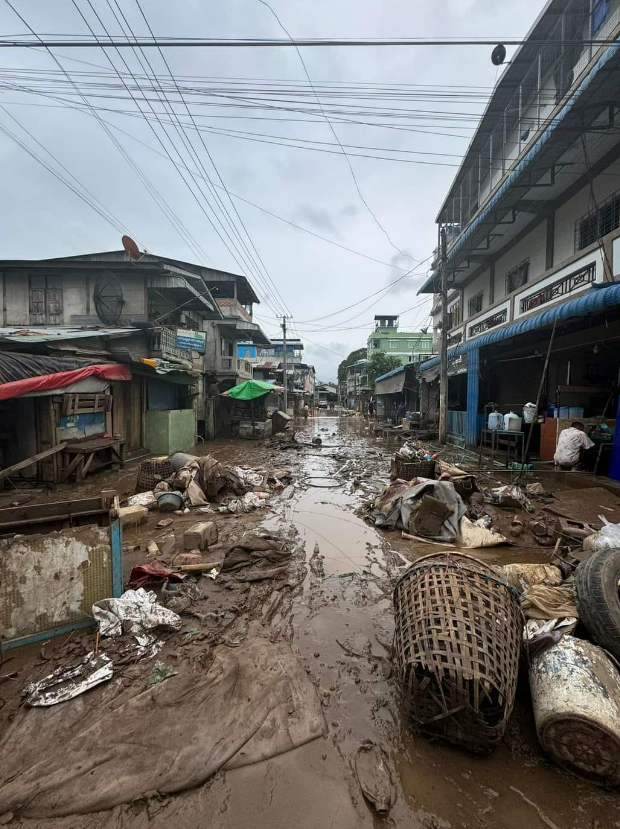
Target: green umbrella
(251,389)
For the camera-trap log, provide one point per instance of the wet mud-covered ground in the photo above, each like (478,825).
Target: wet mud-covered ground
(335,610)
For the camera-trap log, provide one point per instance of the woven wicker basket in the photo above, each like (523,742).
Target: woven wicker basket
(457,643)
(152,472)
(408,470)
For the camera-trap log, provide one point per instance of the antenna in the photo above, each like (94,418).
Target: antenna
(108,298)
(131,249)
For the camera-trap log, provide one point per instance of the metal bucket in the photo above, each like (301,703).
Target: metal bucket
(576,696)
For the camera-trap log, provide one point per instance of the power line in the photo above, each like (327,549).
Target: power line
(148,185)
(214,165)
(334,133)
(172,43)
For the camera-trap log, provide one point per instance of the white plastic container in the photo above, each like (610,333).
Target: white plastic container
(496,420)
(576,698)
(575,412)
(512,422)
(529,412)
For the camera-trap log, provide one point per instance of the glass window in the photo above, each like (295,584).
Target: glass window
(474,305)
(393,344)
(599,14)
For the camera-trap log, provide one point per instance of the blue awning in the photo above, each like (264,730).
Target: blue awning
(592,302)
(390,373)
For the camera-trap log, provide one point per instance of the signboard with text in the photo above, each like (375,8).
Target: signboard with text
(191,340)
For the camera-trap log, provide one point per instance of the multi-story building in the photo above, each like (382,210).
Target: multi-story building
(357,384)
(532,226)
(408,346)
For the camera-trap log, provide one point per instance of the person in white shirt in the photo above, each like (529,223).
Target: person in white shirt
(573,446)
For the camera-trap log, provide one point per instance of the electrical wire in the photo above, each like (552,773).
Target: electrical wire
(334,133)
(220,179)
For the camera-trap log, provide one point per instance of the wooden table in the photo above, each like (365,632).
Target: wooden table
(78,457)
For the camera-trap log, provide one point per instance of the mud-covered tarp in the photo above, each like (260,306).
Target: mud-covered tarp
(396,506)
(255,702)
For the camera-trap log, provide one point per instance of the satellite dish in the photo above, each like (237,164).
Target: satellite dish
(108,298)
(498,55)
(131,249)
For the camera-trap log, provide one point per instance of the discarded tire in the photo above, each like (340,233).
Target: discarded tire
(576,698)
(596,586)
(457,642)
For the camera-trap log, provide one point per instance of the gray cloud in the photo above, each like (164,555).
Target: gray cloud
(315,189)
(324,220)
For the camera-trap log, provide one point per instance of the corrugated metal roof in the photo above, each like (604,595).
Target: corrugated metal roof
(15,366)
(42,334)
(592,302)
(390,373)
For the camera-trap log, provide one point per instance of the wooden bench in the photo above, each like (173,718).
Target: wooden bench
(78,457)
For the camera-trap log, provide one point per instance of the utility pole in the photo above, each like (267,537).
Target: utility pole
(443,373)
(285,366)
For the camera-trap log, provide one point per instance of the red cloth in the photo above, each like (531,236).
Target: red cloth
(109,371)
(155,573)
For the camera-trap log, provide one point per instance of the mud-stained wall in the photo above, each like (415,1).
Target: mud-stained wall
(53,579)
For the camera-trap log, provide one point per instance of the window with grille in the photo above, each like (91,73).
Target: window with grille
(598,223)
(517,277)
(393,344)
(474,306)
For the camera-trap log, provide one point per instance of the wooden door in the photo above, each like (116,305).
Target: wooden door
(128,413)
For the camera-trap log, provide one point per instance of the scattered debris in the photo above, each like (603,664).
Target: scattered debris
(375,777)
(135,612)
(200,536)
(159,672)
(165,522)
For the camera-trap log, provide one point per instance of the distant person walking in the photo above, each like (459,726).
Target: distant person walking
(305,412)
(394,414)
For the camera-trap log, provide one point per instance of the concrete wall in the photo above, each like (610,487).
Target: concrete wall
(77,295)
(532,247)
(565,217)
(170,431)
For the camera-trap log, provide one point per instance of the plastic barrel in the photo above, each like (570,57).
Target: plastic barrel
(576,697)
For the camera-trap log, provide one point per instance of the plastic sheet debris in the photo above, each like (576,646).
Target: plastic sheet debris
(535,627)
(250,477)
(474,535)
(606,539)
(375,778)
(397,507)
(534,489)
(69,681)
(508,496)
(143,499)
(136,612)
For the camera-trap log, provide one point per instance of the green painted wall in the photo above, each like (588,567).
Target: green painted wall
(170,431)
(401,344)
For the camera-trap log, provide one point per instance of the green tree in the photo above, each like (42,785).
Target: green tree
(354,356)
(380,363)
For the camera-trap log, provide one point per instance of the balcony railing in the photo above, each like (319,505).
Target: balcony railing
(490,322)
(560,288)
(164,344)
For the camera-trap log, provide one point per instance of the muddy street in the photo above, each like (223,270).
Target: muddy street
(334,609)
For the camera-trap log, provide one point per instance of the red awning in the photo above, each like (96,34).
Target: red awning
(108,371)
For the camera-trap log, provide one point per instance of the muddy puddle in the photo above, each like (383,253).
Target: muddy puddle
(343,627)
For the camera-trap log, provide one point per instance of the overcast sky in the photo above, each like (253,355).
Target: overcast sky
(314,279)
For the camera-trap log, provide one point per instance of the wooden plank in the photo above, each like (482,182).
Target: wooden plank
(69,469)
(23,464)
(80,506)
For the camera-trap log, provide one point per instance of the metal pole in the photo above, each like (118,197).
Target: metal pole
(443,374)
(285,366)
